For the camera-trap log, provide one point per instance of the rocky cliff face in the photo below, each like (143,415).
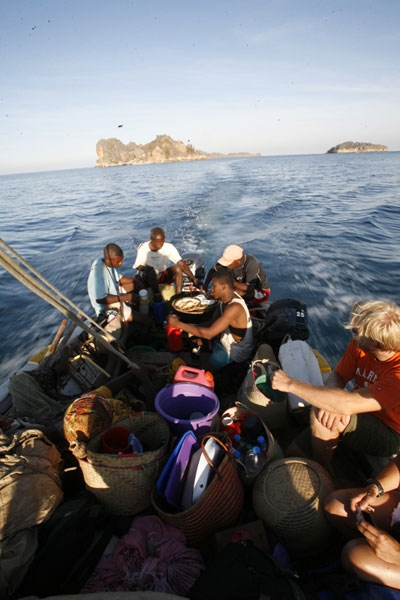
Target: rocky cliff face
(112,152)
(357,147)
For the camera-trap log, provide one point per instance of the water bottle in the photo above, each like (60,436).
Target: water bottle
(254,460)
(240,449)
(158,309)
(240,444)
(135,444)
(238,458)
(144,302)
(263,444)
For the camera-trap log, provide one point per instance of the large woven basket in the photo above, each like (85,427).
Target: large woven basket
(123,483)
(288,496)
(218,507)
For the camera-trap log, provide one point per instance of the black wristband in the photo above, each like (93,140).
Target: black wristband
(378,484)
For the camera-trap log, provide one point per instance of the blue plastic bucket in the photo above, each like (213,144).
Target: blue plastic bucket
(187,407)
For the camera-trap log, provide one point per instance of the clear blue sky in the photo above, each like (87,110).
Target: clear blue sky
(268,76)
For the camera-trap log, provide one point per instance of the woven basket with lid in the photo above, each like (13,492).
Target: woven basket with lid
(288,496)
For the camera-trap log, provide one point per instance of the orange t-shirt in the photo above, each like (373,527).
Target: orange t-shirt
(382,378)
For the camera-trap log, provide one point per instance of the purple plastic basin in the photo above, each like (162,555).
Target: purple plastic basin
(187,407)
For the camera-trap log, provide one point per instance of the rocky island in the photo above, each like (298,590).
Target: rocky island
(357,147)
(112,152)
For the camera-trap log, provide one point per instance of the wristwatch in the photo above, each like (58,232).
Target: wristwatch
(378,484)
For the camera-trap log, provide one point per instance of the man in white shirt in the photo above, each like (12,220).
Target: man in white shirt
(153,258)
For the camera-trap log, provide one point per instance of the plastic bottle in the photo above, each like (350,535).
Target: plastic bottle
(136,446)
(144,302)
(236,455)
(240,444)
(238,458)
(237,441)
(174,338)
(254,460)
(263,443)
(158,309)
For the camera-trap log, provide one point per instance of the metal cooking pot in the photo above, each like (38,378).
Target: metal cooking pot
(196,315)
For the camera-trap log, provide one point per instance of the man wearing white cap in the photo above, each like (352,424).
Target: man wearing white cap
(247,271)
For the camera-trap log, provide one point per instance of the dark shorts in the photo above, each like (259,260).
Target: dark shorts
(151,279)
(365,433)
(166,276)
(219,357)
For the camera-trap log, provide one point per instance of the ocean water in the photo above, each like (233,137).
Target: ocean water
(326,228)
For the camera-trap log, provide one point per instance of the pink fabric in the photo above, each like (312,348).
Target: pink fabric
(151,556)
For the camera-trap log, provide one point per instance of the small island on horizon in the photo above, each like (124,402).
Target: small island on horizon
(347,147)
(112,152)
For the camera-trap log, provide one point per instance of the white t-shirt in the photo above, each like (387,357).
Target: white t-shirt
(158,260)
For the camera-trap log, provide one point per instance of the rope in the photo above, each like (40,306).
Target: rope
(40,290)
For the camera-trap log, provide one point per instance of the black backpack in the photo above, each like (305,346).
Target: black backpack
(285,317)
(71,543)
(240,571)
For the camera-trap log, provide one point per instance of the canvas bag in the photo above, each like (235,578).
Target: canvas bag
(71,543)
(30,485)
(240,412)
(256,391)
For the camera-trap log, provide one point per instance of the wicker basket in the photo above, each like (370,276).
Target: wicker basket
(123,483)
(288,497)
(217,508)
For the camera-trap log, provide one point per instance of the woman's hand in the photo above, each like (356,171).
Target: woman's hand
(363,498)
(383,544)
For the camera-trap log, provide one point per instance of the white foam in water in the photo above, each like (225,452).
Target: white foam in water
(320,225)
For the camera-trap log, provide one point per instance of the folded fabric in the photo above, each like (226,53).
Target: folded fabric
(151,556)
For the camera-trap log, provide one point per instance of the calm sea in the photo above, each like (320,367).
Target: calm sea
(326,228)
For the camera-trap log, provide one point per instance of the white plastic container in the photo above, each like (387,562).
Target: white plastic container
(299,361)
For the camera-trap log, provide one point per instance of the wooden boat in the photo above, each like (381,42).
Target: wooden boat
(95,358)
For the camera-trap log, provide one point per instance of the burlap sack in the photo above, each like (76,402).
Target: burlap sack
(30,485)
